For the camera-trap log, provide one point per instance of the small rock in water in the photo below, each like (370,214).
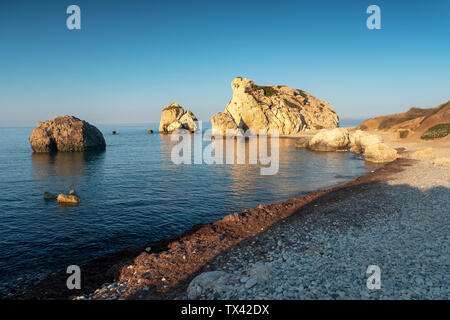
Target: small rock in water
(63,198)
(73,192)
(150,131)
(114,132)
(49,196)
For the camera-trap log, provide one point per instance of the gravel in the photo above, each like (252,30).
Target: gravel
(400,225)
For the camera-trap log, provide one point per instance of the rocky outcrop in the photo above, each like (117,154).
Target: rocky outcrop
(49,196)
(287,110)
(360,142)
(380,152)
(410,125)
(173,117)
(69,199)
(66,134)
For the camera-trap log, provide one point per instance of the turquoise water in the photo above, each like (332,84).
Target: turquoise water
(132,193)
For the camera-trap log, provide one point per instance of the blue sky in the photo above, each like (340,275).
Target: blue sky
(131,58)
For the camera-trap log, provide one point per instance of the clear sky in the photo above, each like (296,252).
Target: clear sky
(132,58)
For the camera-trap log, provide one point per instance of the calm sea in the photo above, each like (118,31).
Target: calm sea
(132,193)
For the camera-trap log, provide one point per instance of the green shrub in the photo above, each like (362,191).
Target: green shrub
(438,131)
(268,91)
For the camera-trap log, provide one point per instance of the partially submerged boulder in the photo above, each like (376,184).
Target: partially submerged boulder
(286,110)
(360,142)
(49,196)
(69,199)
(173,117)
(330,140)
(66,134)
(303,141)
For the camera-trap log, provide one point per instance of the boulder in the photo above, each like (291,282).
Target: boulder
(173,117)
(330,140)
(360,140)
(380,152)
(70,199)
(273,108)
(303,142)
(66,134)
(49,196)
(212,281)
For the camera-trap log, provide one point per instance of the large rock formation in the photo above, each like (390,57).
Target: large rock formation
(66,134)
(289,111)
(173,117)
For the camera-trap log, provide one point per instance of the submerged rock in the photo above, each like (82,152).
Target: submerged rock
(70,199)
(380,152)
(287,110)
(173,117)
(66,134)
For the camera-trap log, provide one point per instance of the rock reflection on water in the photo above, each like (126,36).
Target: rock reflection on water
(58,172)
(62,163)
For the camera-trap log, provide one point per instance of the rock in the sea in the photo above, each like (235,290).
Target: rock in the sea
(287,110)
(360,142)
(71,199)
(49,196)
(303,142)
(174,117)
(380,152)
(372,147)
(330,140)
(150,131)
(73,192)
(66,134)
(114,132)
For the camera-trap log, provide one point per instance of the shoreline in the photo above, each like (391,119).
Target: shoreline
(165,272)
(232,229)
